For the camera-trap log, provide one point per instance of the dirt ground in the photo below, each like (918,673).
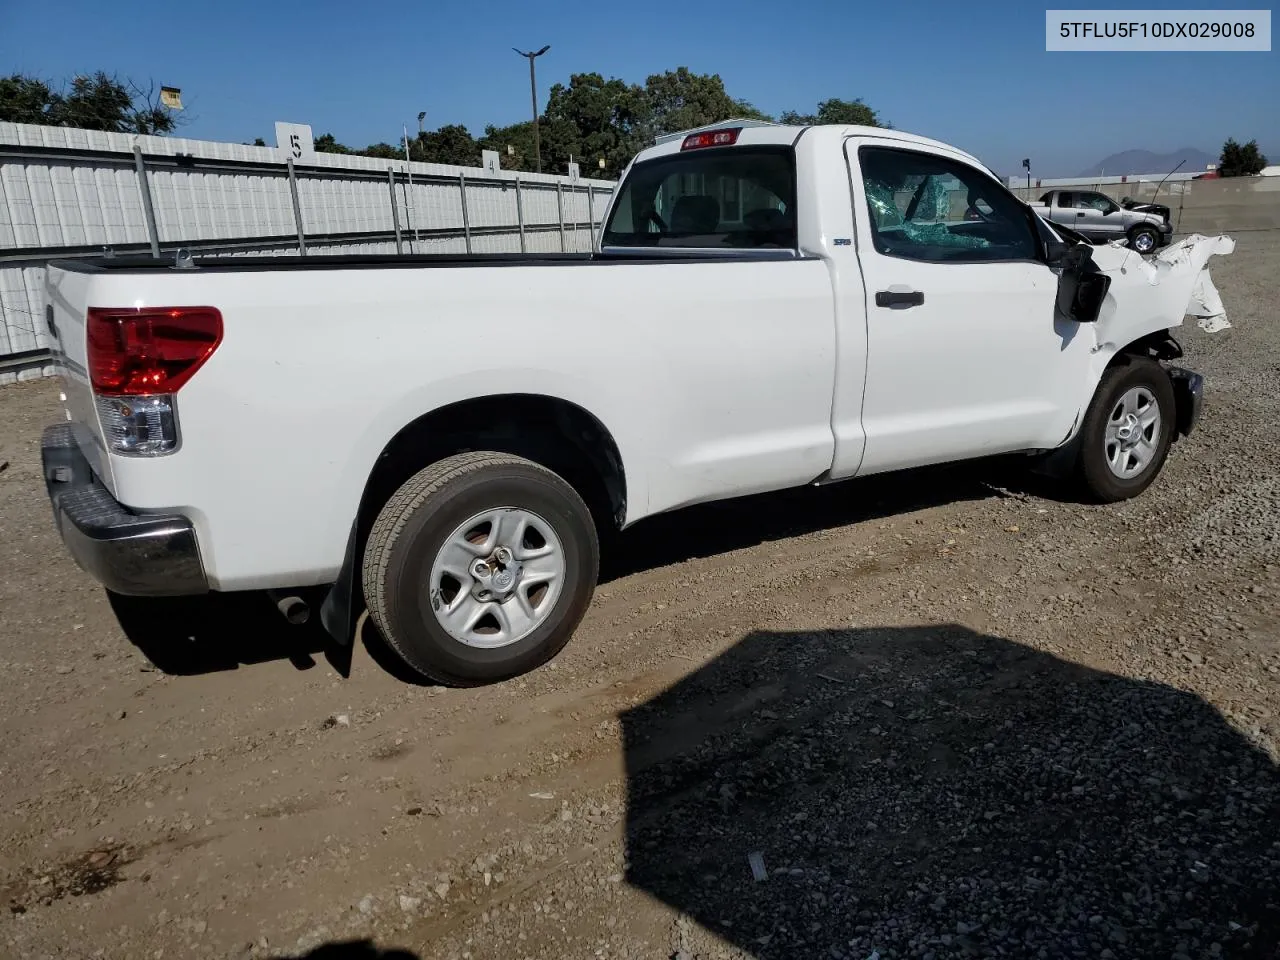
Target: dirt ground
(936,715)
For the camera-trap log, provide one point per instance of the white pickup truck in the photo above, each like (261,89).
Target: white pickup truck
(445,441)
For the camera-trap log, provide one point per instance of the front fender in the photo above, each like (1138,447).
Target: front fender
(1148,298)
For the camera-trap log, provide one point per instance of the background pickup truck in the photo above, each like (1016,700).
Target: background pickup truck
(1098,217)
(447,440)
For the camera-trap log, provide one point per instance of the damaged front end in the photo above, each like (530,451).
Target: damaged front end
(1125,297)
(1129,304)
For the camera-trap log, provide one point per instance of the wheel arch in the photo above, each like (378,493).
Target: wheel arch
(1157,345)
(559,434)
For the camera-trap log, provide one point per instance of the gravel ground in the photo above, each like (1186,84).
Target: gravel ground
(936,715)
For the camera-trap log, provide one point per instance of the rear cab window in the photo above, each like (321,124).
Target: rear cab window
(718,197)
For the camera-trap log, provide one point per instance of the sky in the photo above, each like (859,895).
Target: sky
(976,76)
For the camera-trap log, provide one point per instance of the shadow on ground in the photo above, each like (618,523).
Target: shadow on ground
(743,522)
(352,950)
(940,793)
(194,635)
(218,631)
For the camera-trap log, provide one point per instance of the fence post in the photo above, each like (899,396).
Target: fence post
(297,208)
(408,207)
(395,210)
(520,213)
(466,221)
(145,188)
(560,210)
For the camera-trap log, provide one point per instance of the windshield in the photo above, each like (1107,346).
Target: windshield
(736,197)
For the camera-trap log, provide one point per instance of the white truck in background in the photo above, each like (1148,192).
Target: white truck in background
(445,439)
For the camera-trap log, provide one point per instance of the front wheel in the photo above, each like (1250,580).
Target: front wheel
(1144,239)
(1127,431)
(480,568)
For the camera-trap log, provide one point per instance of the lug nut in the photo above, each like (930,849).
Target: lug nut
(504,555)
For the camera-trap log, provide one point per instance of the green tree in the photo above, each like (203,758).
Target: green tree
(594,118)
(96,102)
(1241,161)
(519,138)
(25,100)
(680,99)
(838,111)
(384,151)
(327,143)
(450,144)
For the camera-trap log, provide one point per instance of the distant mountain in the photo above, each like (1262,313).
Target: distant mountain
(1132,162)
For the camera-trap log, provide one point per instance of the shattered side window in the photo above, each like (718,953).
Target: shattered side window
(1097,201)
(928,207)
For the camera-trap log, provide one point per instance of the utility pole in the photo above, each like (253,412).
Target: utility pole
(533,93)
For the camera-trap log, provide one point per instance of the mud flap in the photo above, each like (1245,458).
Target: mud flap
(1060,462)
(1188,394)
(339,612)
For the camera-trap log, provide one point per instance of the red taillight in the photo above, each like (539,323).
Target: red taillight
(148,350)
(712,138)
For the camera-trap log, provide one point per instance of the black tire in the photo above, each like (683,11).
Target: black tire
(416,521)
(1093,474)
(1139,234)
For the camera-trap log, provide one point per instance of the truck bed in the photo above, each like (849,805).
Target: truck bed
(371,261)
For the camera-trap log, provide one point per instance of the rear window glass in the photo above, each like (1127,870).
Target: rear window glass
(733,197)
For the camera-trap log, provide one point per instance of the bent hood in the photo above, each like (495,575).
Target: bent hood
(1150,295)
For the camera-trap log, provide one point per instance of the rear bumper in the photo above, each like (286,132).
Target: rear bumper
(1188,394)
(127,552)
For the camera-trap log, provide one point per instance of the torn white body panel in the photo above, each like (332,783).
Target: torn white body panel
(1150,295)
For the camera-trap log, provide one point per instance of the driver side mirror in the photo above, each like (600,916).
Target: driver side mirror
(1082,287)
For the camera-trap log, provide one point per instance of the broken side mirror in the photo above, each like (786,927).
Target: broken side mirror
(1082,287)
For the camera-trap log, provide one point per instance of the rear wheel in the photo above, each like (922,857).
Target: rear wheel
(1127,431)
(480,568)
(1144,239)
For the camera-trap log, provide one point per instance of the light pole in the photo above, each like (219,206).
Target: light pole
(422,115)
(533,93)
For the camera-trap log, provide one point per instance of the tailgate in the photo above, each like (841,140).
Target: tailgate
(66,299)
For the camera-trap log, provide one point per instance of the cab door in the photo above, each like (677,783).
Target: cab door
(965,356)
(1099,215)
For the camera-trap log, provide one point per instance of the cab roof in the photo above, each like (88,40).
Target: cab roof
(765,132)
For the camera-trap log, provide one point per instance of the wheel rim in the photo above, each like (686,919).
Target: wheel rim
(497,577)
(1133,433)
(1143,242)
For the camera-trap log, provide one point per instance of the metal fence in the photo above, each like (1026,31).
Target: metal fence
(68,193)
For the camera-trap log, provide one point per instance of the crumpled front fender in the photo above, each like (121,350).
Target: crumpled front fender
(1148,295)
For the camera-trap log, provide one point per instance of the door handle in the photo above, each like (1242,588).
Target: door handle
(895,299)
(1080,214)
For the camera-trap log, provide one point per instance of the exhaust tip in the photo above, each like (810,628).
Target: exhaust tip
(294,609)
